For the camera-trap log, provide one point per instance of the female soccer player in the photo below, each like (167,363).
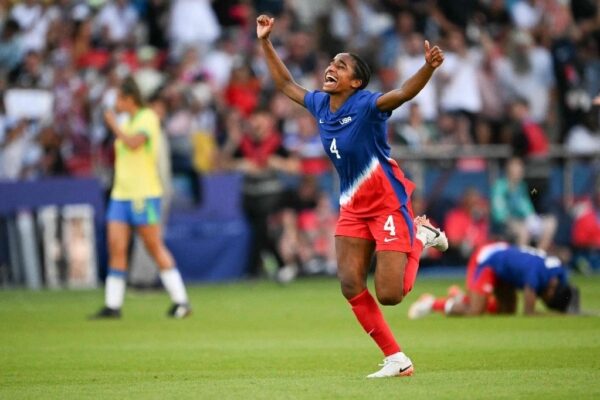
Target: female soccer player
(494,274)
(135,202)
(376,214)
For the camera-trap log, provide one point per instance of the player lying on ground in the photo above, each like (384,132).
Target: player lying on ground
(494,274)
(375,209)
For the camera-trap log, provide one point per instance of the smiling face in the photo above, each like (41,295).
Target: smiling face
(340,75)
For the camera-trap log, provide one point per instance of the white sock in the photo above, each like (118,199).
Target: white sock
(172,281)
(114,291)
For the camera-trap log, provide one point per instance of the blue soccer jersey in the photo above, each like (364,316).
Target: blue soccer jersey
(354,138)
(521,266)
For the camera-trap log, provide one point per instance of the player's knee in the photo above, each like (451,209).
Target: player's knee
(390,298)
(351,288)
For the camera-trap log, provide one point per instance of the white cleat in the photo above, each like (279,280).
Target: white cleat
(287,273)
(431,236)
(421,307)
(395,365)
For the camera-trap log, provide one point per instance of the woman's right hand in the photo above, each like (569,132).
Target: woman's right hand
(264,26)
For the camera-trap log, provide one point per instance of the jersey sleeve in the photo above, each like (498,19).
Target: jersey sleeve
(374,113)
(149,126)
(313,101)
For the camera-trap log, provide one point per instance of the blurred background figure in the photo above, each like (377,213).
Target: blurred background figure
(586,232)
(512,211)
(258,153)
(467,227)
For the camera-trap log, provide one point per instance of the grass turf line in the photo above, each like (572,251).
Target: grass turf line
(264,341)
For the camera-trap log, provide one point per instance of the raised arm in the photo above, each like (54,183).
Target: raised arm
(279,72)
(132,142)
(434,57)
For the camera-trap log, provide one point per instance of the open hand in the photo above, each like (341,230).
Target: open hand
(433,56)
(264,26)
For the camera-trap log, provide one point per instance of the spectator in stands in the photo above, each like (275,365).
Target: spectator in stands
(304,142)
(394,41)
(526,14)
(586,231)
(179,127)
(467,227)
(415,133)
(259,154)
(527,73)
(219,61)
(13,150)
(529,138)
(32,73)
(301,57)
(116,22)
(51,162)
(185,30)
(513,214)
(307,239)
(243,89)
(454,15)
(407,64)
(156,18)
(584,138)
(33,22)
(460,90)
(11,47)
(148,77)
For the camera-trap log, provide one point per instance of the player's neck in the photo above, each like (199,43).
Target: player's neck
(337,100)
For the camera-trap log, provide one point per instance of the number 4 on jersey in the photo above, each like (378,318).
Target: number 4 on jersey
(334,150)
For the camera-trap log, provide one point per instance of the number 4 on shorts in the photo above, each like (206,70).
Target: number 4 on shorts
(389,226)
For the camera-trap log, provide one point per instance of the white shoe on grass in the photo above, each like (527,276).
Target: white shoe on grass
(395,365)
(430,236)
(421,307)
(287,273)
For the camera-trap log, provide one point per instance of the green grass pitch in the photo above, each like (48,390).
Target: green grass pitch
(263,341)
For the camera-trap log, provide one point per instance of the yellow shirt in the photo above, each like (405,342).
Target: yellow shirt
(136,171)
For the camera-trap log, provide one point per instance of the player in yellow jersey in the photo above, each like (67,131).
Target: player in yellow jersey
(135,202)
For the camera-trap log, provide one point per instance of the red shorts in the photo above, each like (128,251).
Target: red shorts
(391,230)
(480,280)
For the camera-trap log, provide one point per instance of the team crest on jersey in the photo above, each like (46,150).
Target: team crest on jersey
(345,120)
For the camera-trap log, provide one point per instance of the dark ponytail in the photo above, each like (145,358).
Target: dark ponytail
(361,70)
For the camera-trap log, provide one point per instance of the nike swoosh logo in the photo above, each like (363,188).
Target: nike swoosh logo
(437,233)
(321,121)
(404,369)
(387,240)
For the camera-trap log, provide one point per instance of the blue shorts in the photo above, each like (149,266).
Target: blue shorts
(135,212)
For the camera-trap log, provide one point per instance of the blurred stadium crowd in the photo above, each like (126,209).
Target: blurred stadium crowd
(519,75)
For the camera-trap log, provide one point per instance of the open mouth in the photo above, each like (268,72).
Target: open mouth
(330,78)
